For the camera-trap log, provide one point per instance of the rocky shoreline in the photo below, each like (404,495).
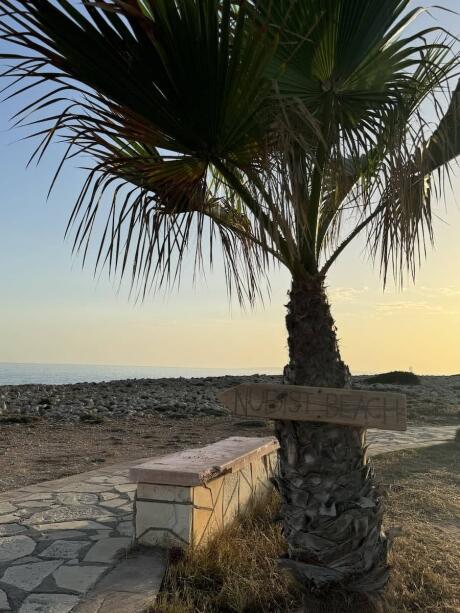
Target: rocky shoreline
(435,400)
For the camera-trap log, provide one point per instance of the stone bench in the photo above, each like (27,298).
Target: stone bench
(184,497)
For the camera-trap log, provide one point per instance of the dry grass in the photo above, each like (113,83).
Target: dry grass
(237,572)
(423,498)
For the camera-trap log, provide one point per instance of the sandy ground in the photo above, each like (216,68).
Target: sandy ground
(45,450)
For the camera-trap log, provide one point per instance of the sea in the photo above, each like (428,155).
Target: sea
(54,374)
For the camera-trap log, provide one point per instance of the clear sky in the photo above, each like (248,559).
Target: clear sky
(53,311)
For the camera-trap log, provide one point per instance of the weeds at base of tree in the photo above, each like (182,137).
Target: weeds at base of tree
(237,572)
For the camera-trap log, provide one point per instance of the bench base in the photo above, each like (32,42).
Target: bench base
(183,515)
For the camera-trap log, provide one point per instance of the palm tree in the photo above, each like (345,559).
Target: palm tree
(278,130)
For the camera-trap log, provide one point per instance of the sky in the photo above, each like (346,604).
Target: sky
(53,311)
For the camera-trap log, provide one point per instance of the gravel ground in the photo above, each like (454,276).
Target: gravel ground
(172,398)
(47,449)
(51,431)
(436,400)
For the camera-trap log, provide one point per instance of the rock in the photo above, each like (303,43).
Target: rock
(62,535)
(14,547)
(4,605)
(77,498)
(126,487)
(37,496)
(108,495)
(125,528)
(78,578)
(27,577)
(114,503)
(26,560)
(106,550)
(90,488)
(6,507)
(65,550)
(100,534)
(92,402)
(10,529)
(65,514)
(132,586)
(34,504)
(48,603)
(117,480)
(8,519)
(71,525)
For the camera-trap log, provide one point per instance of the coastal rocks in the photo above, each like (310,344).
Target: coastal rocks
(436,399)
(91,403)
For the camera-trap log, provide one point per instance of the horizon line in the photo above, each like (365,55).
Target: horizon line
(135,365)
(355,373)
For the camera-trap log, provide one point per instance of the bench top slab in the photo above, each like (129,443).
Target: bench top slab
(197,466)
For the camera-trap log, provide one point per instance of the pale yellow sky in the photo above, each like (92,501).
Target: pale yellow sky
(196,327)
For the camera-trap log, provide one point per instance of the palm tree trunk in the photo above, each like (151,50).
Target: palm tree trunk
(330,506)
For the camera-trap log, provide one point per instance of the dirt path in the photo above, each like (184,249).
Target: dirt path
(46,450)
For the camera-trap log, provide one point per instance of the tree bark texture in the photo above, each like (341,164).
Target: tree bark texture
(331,507)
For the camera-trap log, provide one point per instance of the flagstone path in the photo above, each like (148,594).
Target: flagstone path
(58,539)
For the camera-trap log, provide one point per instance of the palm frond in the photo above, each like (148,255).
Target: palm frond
(387,187)
(151,92)
(279,130)
(444,144)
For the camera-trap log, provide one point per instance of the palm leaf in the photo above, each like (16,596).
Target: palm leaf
(392,172)
(272,125)
(444,144)
(152,91)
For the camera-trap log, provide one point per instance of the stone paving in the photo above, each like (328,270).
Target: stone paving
(58,539)
(383,441)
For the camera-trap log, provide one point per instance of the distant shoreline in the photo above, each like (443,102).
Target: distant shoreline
(435,400)
(62,374)
(29,373)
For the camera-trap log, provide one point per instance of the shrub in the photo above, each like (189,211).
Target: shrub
(89,418)
(396,377)
(18,419)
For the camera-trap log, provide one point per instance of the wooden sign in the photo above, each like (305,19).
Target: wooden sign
(384,410)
